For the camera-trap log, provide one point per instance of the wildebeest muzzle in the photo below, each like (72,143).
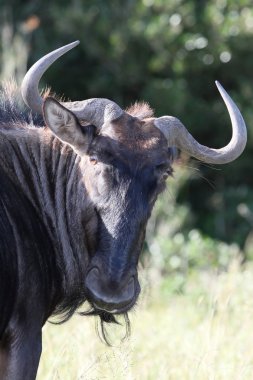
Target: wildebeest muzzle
(108,294)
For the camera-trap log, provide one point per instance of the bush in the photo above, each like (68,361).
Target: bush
(176,248)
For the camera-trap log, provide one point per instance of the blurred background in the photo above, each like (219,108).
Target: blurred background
(168,53)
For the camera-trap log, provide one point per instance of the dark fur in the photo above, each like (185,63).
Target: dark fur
(35,272)
(51,234)
(13,110)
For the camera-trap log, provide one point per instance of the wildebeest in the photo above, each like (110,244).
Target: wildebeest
(76,193)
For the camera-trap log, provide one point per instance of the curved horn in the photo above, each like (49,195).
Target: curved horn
(177,135)
(96,110)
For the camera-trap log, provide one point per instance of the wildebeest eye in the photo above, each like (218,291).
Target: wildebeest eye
(167,174)
(164,170)
(93,160)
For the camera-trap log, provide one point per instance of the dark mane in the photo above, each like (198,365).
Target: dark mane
(19,218)
(142,110)
(13,110)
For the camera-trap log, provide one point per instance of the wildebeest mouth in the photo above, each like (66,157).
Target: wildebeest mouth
(106,315)
(116,311)
(106,312)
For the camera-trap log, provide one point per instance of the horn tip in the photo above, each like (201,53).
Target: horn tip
(218,84)
(222,91)
(75,43)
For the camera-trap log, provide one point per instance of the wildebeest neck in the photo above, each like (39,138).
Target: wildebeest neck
(48,174)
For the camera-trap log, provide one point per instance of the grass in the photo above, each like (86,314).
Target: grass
(204,333)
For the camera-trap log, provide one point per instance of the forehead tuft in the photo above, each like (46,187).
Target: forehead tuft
(142,110)
(135,134)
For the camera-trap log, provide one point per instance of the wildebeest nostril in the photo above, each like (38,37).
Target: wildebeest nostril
(92,278)
(103,294)
(93,274)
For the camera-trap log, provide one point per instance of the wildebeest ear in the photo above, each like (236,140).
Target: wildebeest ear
(64,124)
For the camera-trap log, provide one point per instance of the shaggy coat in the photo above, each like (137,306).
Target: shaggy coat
(62,214)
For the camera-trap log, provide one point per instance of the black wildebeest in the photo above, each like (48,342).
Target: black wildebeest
(75,197)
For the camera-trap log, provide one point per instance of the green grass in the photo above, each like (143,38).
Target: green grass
(205,333)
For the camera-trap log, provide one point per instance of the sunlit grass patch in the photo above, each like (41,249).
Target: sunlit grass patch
(205,333)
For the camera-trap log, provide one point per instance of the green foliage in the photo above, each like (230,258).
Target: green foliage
(177,248)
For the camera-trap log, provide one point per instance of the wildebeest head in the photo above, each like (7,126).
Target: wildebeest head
(125,160)
(124,163)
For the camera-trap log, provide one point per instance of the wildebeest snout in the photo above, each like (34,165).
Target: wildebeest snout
(106,294)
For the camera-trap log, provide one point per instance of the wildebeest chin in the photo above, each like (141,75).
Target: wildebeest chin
(78,184)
